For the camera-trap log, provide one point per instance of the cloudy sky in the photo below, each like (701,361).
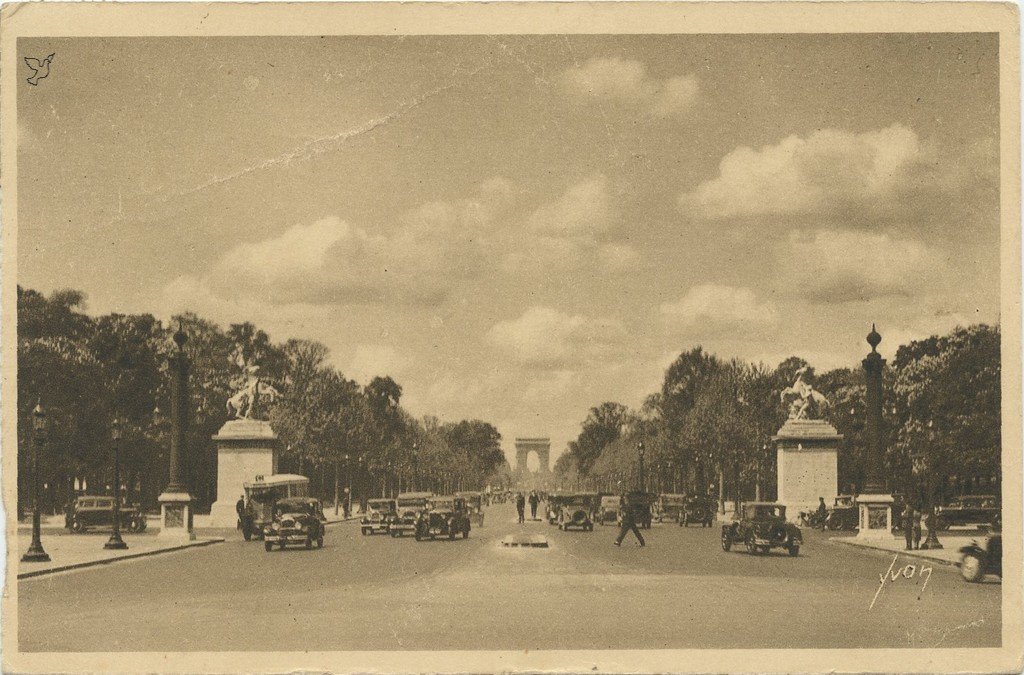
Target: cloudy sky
(517,228)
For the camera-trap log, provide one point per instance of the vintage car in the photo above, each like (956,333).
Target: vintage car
(578,510)
(444,516)
(297,521)
(408,509)
(643,504)
(262,495)
(672,508)
(844,514)
(86,512)
(697,509)
(761,527)
(554,507)
(475,506)
(976,560)
(379,513)
(968,510)
(610,511)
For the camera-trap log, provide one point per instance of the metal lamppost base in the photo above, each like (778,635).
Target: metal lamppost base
(35,555)
(931,543)
(115,544)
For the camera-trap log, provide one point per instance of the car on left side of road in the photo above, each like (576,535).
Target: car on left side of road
(379,513)
(98,511)
(297,521)
(761,527)
(445,516)
(611,509)
(578,510)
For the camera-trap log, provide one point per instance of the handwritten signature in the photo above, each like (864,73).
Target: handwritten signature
(906,572)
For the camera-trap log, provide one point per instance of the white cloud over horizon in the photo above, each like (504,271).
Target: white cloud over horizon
(707,308)
(627,80)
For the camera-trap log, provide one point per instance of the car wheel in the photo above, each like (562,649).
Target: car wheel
(794,550)
(451,535)
(366,531)
(751,546)
(320,542)
(419,537)
(972,568)
(281,545)
(465,533)
(268,546)
(726,542)
(76,526)
(247,534)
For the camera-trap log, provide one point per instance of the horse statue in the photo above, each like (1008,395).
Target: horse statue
(247,402)
(801,396)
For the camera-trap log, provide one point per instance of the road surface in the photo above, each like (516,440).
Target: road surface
(377,593)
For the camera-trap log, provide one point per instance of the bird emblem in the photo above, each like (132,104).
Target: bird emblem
(40,69)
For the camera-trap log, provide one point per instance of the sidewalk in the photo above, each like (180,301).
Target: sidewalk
(75,551)
(949,554)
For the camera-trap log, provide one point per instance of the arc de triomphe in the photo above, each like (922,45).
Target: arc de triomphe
(541,446)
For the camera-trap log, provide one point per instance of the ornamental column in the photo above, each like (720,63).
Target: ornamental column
(875,503)
(175,502)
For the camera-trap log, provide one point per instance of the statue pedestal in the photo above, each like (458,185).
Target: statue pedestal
(807,455)
(245,449)
(875,516)
(176,516)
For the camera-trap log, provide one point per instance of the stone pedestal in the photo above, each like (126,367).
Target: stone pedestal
(807,454)
(245,449)
(875,516)
(176,516)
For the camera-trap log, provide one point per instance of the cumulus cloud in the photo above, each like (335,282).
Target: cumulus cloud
(714,307)
(584,208)
(827,172)
(830,266)
(543,336)
(627,80)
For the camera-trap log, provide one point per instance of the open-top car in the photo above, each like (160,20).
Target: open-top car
(761,527)
(408,508)
(444,516)
(96,511)
(297,521)
(697,510)
(610,511)
(671,508)
(475,506)
(578,511)
(378,516)
(844,514)
(968,510)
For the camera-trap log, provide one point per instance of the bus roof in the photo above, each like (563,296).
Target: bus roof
(277,479)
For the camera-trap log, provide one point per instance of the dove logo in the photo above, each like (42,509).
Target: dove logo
(40,69)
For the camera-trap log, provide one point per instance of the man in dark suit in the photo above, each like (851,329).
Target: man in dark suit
(630,516)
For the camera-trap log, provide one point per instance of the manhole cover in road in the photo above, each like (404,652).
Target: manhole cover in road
(525,541)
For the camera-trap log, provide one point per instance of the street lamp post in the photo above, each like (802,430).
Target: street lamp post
(932,542)
(35,551)
(115,542)
(415,466)
(335,486)
(348,486)
(640,456)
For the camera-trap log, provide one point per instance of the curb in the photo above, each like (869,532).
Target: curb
(107,561)
(909,554)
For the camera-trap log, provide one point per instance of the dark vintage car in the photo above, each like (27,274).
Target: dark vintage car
(475,506)
(976,560)
(697,510)
(844,514)
(409,506)
(379,513)
(643,504)
(88,512)
(297,521)
(968,510)
(672,506)
(443,517)
(578,510)
(610,510)
(762,527)
(554,506)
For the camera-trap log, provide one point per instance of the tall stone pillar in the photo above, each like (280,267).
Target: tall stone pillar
(175,502)
(875,503)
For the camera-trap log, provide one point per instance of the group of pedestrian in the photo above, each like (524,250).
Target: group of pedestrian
(246,514)
(521,501)
(911,518)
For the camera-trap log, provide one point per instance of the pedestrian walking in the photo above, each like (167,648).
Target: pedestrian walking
(908,526)
(534,500)
(917,528)
(630,516)
(521,506)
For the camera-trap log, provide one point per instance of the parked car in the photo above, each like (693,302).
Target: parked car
(474,505)
(578,510)
(976,560)
(408,508)
(95,511)
(610,510)
(697,509)
(672,507)
(297,521)
(379,513)
(761,527)
(968,510)
(844,514)
(444,516)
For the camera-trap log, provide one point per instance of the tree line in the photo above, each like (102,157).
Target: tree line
(709,428)
(86,370)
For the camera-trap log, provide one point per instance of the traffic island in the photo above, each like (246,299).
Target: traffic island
(948,555)
(72,552)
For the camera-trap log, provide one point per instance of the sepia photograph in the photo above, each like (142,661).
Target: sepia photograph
(512,337)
